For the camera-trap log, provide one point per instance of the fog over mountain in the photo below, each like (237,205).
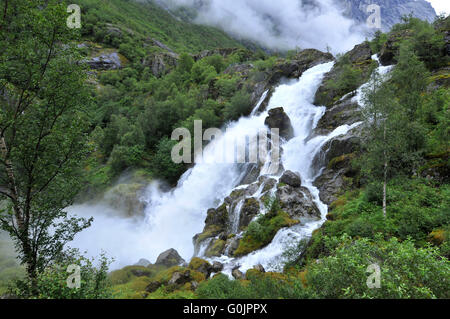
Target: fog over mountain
(392,11)
(282,24)
(289,24)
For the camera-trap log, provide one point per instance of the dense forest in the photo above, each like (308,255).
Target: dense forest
(82,107)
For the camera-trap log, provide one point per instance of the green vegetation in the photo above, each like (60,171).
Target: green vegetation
(128,24)
(52,282)
(261,231)
(66,131)
(43,128)
(10,268)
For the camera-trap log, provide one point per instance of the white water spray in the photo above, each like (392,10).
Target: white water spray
(173,218)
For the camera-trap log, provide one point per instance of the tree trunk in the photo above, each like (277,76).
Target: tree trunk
(12,184)
(385,176)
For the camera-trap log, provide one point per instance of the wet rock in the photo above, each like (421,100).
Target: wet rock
(360,58)
(217,217)
(201,266)
(301,62)
(345,112)
(216,223)
(180,278)
(217,267)
(330,185)
(336,157)
(249,210)
(278,119)
(259,268)
(216,248)
(237,274)
(341,145)
(169,258)
(233,245)
(297,202)
(269,183)
(251,174)
(290,178)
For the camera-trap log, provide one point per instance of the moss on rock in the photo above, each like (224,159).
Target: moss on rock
(262,231)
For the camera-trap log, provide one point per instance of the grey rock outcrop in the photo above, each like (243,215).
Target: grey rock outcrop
(249,210)
(143,262)
(107,61)
(292,179)
(237,274)
(180,278)
(169,258)
(297,202)
(217,267)
(278,119)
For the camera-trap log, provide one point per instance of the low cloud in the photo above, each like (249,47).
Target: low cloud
(281,24)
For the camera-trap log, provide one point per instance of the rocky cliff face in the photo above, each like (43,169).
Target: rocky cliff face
(391,10)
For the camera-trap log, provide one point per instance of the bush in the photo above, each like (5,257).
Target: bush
(52,283)
(163,164)
(406,271)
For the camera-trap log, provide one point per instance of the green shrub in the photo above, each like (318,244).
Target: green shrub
(406,271)
(53,282)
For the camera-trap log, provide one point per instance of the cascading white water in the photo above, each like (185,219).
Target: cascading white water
(172,219)
(296,97)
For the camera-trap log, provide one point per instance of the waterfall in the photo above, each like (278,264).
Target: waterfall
(173,218)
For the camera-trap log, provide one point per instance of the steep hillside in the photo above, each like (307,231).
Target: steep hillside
(109,21)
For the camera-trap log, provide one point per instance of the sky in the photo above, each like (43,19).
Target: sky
(441,6)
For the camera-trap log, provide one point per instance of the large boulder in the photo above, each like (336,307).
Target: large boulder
(237,274)
(302,61)
(216,248)
(201,266)
(344,112)
(292,179)
(217,267)
(249,210)
(169,258)
(297,202)
(179,278)
(341,145)
(278,119)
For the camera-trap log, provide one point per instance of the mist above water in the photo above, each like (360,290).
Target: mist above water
(279,25)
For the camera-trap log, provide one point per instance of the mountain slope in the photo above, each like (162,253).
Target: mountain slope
(104,20)
(392,11)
